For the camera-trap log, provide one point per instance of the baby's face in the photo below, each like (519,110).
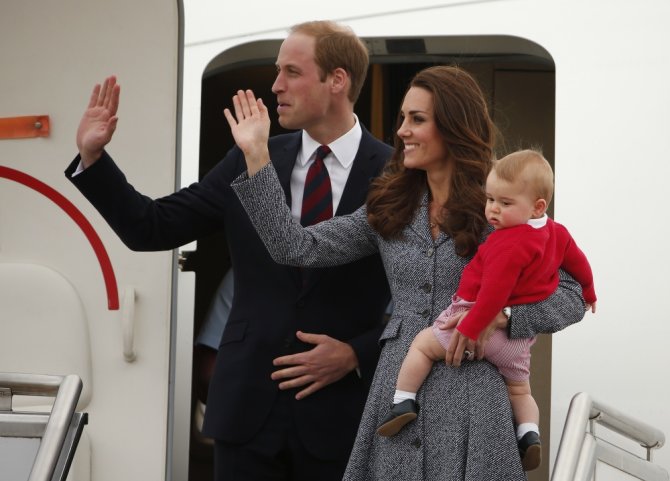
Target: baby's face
(507,203)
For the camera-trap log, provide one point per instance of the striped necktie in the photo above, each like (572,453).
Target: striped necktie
(317,200)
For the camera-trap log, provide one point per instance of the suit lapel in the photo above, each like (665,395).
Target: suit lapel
(283,155)
(283,158)
(362,171)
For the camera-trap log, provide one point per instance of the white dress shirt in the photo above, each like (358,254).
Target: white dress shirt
(338,163)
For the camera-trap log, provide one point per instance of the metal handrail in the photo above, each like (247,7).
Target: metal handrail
(66,390)
(579,449)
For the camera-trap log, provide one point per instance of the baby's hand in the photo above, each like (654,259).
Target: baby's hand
(591,307)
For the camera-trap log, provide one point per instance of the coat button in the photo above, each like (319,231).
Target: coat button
(425,313)
(426,288)
(416,443)
(430,252)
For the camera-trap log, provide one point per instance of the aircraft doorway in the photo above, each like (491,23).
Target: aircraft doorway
(516,75)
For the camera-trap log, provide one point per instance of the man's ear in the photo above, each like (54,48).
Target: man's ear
(540,208)
(339,79)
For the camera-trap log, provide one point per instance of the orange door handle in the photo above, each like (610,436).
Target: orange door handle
(24,127)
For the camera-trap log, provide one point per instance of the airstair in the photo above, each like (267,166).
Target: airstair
(39,446)
(584,444)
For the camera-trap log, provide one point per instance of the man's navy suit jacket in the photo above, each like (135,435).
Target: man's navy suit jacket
(271,302)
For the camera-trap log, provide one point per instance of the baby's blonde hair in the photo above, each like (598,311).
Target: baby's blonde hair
(530,167)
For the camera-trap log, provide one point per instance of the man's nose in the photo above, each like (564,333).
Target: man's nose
(277,86)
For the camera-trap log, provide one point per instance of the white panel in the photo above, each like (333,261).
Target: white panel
(52,53)
(44,328)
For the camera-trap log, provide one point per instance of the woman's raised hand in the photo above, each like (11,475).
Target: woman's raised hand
(250,127)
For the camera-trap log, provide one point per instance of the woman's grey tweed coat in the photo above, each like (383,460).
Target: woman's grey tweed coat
(464,431)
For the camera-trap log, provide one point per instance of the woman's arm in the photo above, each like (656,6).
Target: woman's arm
(563,308)
(337,241)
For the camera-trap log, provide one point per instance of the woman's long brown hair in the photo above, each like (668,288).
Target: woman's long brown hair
(463,120)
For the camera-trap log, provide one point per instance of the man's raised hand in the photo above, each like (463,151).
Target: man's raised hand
(98,123)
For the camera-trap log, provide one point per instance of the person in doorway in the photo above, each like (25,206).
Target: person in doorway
(425,216)
(297,355)
(517,264)
(209,335)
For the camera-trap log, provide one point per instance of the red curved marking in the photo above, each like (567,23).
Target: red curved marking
(82,222)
